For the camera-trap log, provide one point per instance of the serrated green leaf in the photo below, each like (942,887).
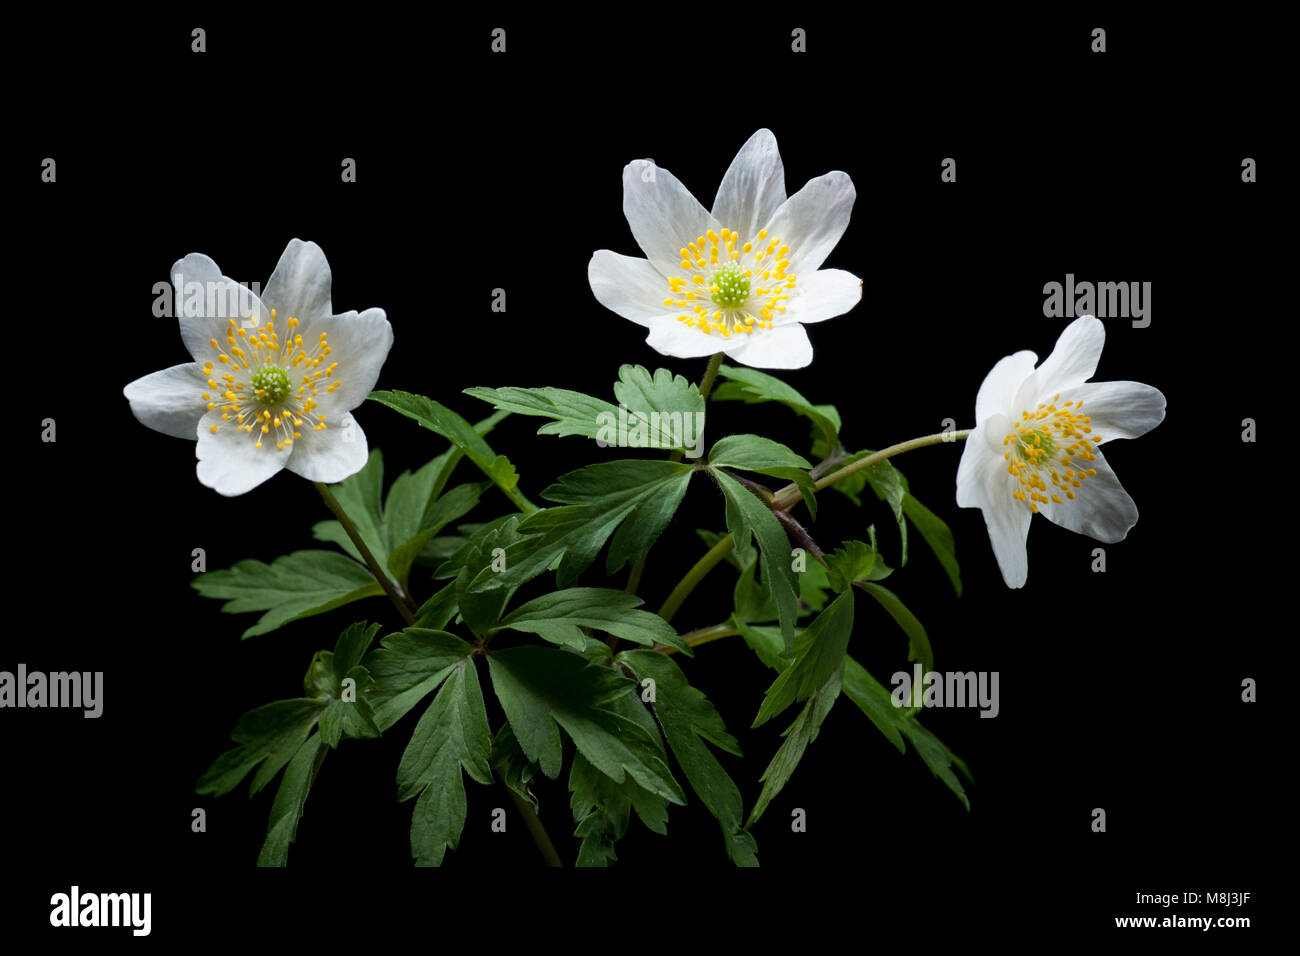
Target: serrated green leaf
(574,412)
(407,666)
(452,735)
(752,386)
(559,617)
(443,421)
(543,689)
(747,515)
(854,561)
(889,486)
(640,495)
(671,407)
(918,641)
(798,736)
(269,735)
(896,723)
(517,769)
(290,799)
(602,807)
(765,457)
(688,720)
(818,657)
(937,535)
(294,586)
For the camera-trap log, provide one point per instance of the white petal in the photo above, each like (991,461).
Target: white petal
(812,221)
(662,213)
(998,391)
(983,483)
(753,187)
(228,462)
(1074,359)
(1101,508)
(1119,409)
(330,455)
(206,302)
(359,342)
(785,346)
(300,285)
(670,337)
(825,294)
(631,287)
(170,401)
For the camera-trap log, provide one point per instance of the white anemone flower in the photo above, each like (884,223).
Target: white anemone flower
(1035,446)
(274,379)
(743,279)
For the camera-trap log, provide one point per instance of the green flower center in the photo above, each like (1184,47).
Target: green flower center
(731,287)
(270,384)
(1035,446)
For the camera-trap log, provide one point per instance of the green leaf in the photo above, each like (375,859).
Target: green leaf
(766,457)
(855,561)
(574,412)
(890,487)
(442,420)
(407,666)
(290,799)
(818,657)
(452,735)
(518,769)
(294,586)
(747,515)
(766,642)
(798,736)
(560,616)
(601,809)
(752,386)
(269,735)
(636,497)
(689,720)
(936,535)
(897,722)
(655,417)
(918,641)
(542,687)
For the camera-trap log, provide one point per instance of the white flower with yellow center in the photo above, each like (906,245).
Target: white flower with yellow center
(274,380)
(742,279)
(1035,448)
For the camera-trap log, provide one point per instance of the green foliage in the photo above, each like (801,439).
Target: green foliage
(280,733)
(752,386)
(746,517)
(766,457)
(452,736)
(817,659)
(545,689)
(689,720)
(647,399)
(442,420)
(297,585)
(560,616)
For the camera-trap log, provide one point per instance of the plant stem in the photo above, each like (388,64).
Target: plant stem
(705,386)
(785,499)
(695,575)
(534,825)
(703,636)
(790,495)
(405,606)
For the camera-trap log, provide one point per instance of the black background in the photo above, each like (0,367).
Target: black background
(478,171)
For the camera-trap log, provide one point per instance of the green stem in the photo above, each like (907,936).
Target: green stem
(535,828)
(703,636)
(790,495)
(705,386)
(405,606)
(695,575)
(785,499)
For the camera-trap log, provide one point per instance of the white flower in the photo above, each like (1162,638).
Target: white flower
(742,279)
(273,381)
(1034,449)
